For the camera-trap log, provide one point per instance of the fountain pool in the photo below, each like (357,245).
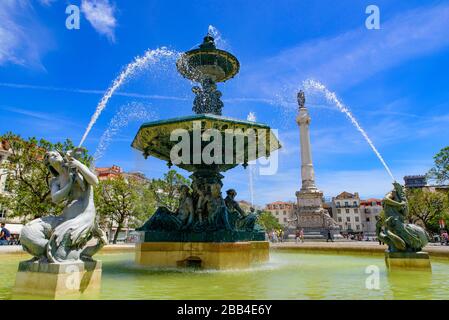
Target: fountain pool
(288,275)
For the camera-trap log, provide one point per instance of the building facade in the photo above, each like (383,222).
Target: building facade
(284,212)
(371,209)
(346,212)
(4,154)
(354,215)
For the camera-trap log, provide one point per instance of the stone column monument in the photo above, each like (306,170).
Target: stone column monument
(311,216)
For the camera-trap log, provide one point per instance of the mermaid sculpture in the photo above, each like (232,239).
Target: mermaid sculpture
(64,238)
(398,235)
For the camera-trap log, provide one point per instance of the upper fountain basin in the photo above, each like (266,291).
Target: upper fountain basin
(208,62)
(154,139)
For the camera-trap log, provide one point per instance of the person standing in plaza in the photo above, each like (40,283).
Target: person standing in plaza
(301,235)
(329,236)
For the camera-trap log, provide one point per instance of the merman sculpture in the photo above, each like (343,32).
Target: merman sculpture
(404,240)
(64,238)
(62,265)
(395,232)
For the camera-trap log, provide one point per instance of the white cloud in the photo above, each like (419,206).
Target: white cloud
(23,40)
(100,14)
(354,56)
(47,2)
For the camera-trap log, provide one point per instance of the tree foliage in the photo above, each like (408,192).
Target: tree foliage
(165,191)
(428,207)
(28,177)
(268,221)
(440,171)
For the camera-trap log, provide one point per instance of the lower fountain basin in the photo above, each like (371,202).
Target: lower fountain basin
(288,275)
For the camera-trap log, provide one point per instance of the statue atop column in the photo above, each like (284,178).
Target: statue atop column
(301,99)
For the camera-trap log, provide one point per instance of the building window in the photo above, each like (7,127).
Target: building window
(346,203)
(356,219)
(348,219)
(339,219)
(347,210)
(338,210)
(357,227)
(367,219)
(355,203)
(277,212)
(284,213)
(285,219)
(356,210)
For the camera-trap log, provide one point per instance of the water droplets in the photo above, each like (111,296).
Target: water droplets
(150,57)
(331,97)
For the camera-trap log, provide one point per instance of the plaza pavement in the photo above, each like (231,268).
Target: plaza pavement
(352,247)
(337,247)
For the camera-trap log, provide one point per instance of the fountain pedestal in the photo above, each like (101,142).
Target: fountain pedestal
(205,255)
(57,281)
(407,260)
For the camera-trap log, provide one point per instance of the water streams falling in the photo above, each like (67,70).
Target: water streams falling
(219,41)
(149,58)
(313,85)
(130,112)
(251,168)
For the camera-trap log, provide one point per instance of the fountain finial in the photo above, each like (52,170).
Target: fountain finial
(301,99)
(208,42)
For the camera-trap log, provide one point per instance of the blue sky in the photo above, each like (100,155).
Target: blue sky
(395,80)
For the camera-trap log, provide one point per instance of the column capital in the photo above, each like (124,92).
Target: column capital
(303,117)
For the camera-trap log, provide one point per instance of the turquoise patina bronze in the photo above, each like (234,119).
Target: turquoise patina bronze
(203,215)
(394,231)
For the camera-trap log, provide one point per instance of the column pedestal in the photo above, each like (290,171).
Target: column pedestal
(37,280)
(407,260)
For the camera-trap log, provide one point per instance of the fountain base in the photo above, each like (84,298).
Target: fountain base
(206,236)
(203,255)
(57,281)
(407,260)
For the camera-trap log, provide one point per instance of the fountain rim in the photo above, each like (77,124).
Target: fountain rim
(229,57)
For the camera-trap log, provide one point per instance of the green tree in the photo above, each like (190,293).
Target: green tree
(28,177)
(268,221)
(123,200)
(440,171)
(428,207)
(166,191)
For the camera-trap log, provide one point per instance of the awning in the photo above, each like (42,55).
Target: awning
(14,228)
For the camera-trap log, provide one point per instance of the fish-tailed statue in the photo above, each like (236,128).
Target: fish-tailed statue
(64,238)
(394,231)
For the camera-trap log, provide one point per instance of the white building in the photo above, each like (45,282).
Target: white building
(354,215)
(346,212)
(4,153)
(12,224)
(371,210)
(282,211)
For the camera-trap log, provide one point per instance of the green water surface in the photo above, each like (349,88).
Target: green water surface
(288,275)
